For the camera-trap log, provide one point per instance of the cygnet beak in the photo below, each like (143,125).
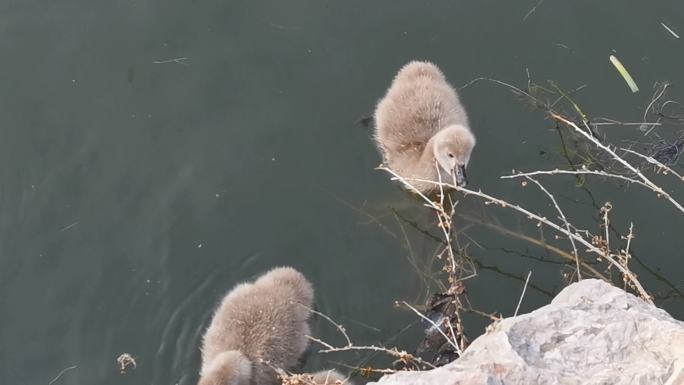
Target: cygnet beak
(461,178)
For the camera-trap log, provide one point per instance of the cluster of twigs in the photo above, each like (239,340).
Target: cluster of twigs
(596,245)
(451,331)
(601,160)
(447,326)
(595,157)
(587,249)
(635,175)
(406,360)
(666,149)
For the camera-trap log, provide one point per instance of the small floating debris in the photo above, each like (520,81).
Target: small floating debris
(178,60)
(67,227)
(126,361)
(668,29)
(62,372)
(623,71)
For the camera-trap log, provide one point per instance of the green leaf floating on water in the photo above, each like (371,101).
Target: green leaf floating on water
(623,71)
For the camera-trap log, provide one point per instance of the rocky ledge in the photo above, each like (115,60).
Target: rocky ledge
(592,333)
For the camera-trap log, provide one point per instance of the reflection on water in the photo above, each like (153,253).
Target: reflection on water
(137,189)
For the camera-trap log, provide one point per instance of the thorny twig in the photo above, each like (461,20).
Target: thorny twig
(445,219)
(401,355)
(645,181)
(565,221)
(605,210)
(339,327)
(542,220)
(365,371)
(546,246)
(583,171)
(655,162)
(625,254)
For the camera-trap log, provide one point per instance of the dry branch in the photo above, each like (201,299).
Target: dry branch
(401,355)
(542,220)
(453,343)
(655,162)
(565,221)
(646,182)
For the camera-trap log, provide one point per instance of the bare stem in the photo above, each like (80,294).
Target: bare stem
(575,172)
(60,374)
(647,182)
(655,162)
(522,295)
(565,221)
(400,354)
(502,203)
(453,343)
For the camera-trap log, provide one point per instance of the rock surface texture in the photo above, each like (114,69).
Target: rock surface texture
(592,333)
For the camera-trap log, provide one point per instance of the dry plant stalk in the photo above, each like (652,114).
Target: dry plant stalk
(628,275)
(645,181)
(451,340)
(624,254)
(565,221)
(444,219)
(456,272)
(406,358)
(661,168)
(583,171)
(522,295)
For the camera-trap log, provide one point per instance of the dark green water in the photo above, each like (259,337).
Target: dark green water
(134,194)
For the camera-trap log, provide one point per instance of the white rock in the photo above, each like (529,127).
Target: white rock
(592,333)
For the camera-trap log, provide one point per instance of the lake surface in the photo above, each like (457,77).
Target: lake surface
(156,153)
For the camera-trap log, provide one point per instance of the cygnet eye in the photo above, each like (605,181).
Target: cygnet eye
(451,155)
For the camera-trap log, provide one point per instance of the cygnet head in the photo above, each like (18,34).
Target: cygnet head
(287,277)
(228,368)
(417,69)
(452,147)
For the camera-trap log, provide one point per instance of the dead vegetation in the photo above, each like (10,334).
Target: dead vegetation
(605,253)
(126,362)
